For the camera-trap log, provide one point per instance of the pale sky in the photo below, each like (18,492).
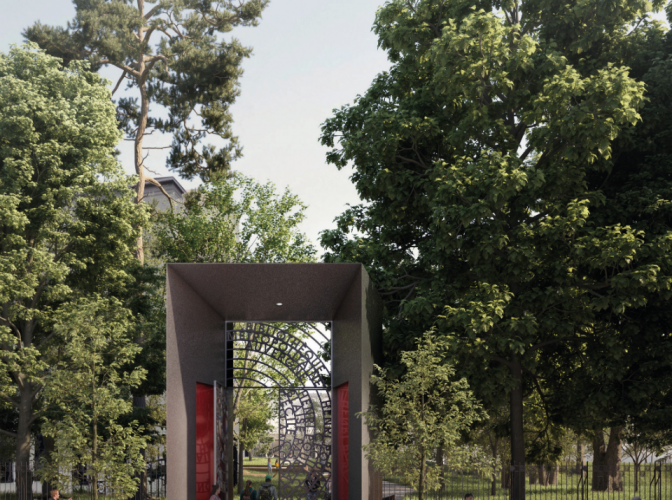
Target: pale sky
(310,56)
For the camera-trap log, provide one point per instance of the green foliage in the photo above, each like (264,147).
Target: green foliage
(425,408)
(145,299)
(234,220)
(156,447)
(482,156)
(627,378)
(67,217)
(255,412)
(544,441)
(173,55)
(90,389)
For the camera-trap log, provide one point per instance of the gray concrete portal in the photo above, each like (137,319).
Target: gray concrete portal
(201,298)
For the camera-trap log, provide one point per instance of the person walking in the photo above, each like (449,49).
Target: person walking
(214,493)
(267,491)
(270,466)
(313,486)
(248,492)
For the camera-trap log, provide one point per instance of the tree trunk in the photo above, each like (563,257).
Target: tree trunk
(607,461)
(142,491)
(614,457)
(636,467)
(552,473)
(544,475)
(49,447)
(421,482)
(506,477)
(240,466)
(517,436)
(241,455)
(599,452)
(493,448)
(249,455)
(94,457)
(442,474)
(580,455)
(142,127)
(24,475)
(139,167)
(141,401)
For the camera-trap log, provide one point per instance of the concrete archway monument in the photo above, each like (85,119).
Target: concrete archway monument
(218,313)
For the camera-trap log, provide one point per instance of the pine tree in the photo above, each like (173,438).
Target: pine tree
(173,56)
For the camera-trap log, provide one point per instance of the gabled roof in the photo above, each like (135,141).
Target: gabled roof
(168,180)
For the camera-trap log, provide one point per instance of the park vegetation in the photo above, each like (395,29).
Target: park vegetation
(69,227)
(71,357)
(89,391)
(515,167)
(426,406)
(171,54)
(179,77)
(515,171)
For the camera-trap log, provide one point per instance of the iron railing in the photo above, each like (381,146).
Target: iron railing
(21,481)
(650,481)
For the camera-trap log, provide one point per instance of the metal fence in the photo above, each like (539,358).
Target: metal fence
(556,482)
(651,481)
(20,481)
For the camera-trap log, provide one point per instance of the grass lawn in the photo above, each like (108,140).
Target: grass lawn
(258,477)
(256,461)
(457,485)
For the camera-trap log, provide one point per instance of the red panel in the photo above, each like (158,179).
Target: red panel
(343,437)
(205,440)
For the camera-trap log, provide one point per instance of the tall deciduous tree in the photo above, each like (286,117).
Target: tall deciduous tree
(255,413)
(636,347)
(639,448)
(171,53)
(475,154)
(68,223)
(90,389)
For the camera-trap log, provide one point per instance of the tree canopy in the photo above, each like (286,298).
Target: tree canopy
(69,223)
(172,54)
(476,155)
(234,220)
(89,388)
